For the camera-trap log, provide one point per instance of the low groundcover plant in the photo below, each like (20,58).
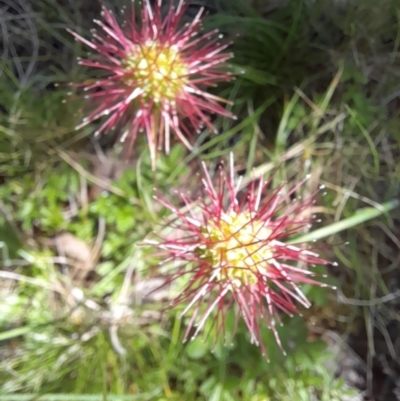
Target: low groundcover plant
(231,246)
(156,70)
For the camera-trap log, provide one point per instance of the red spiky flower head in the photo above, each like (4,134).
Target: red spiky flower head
(156,70)
(231,246)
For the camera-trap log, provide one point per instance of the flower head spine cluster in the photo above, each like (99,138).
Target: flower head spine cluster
(231,246)
(156,72)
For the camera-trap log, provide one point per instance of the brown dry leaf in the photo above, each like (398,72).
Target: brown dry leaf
(77,251)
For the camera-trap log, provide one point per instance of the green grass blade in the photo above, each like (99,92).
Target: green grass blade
(283,131)
(361,216)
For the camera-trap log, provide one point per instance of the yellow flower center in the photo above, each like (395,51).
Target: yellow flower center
(237,246)
(159,71)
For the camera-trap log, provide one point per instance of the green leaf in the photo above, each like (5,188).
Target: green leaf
(217,392)
(197,348)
